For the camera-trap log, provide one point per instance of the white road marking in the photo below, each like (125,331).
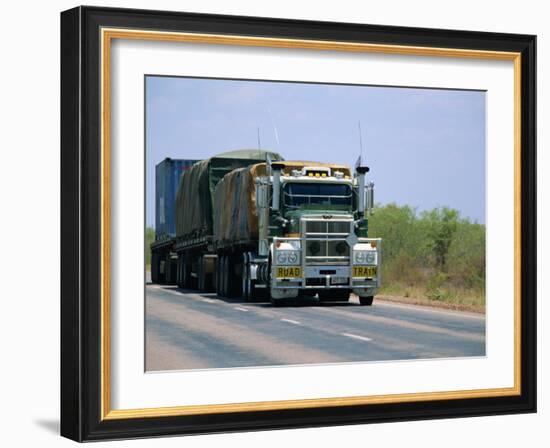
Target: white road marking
(184,294)
(355,336)
(171,291)
(241,309)
(290,321)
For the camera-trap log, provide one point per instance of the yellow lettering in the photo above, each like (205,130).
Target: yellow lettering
(290,272)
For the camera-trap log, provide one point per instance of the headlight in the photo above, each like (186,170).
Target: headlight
(292,257)
(359,257)
(365,257)
(281,258)
(288,257)
(371,257)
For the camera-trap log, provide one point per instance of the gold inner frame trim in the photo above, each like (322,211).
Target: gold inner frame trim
(107,35)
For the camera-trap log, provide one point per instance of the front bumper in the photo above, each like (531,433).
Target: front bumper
(318,275)
(325,277)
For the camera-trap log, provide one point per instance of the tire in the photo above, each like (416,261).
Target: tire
(179,274)
(218,276)
(225,276)
(154,268)
(185,274)
(245,282)
(366,301)
(221,275)
(233,280)
(200,275)
(161,276)
(171,269)
(167,268)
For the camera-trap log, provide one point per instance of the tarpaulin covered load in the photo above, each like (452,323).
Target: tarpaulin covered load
(235,212)
(196,189)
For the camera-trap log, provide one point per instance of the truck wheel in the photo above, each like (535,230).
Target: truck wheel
(161,266)
(154,268)
(179,281)
(167,268)
(245,279)
(183,272)
(200,275)
(218,275)
(233,280)
(366,301)
(224,276)
(170,270)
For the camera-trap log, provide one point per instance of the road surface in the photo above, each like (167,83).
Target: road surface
(191,330)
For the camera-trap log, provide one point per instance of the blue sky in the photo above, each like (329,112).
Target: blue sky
(425,147)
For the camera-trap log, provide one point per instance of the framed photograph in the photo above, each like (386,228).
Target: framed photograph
(274,223)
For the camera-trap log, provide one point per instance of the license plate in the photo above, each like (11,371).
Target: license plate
(364,271)
(339,280)
(289,272)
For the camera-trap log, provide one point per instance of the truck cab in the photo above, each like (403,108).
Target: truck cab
(317,232)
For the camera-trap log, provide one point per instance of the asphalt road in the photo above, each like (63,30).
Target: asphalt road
(191,330)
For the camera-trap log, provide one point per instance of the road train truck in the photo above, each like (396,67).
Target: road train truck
(259,226)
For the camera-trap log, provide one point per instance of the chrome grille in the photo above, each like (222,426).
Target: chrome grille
(325,241)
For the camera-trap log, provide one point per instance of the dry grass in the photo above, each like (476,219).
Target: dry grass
(449,297)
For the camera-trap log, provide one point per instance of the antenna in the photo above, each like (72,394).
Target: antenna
(360,139)
(259,141)
(274,128)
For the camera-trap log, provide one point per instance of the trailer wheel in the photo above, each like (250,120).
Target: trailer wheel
(188,278)
(170,270)
(218,275)
(179,280)
(200,274)
(154,268)
(160,268)
(224,278)
(366,301)
(227,277)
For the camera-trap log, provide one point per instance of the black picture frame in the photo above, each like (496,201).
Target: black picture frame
(81,381)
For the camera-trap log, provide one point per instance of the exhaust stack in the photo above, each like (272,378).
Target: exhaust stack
(276,169)
(360,173)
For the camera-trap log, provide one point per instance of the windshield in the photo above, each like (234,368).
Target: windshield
(321,193)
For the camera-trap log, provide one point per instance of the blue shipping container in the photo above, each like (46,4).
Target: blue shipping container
(167,177)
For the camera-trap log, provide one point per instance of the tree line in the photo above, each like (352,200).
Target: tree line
(436,253)
(433,255)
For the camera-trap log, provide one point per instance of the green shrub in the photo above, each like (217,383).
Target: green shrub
(436,254)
